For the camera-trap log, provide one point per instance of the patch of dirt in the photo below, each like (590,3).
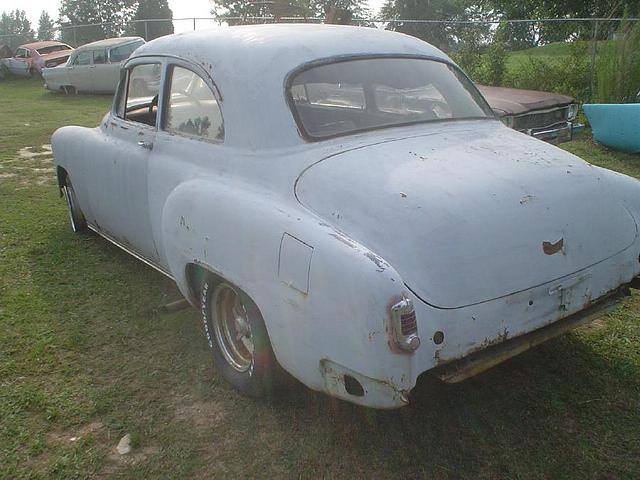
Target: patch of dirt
(58,437)
(200,414)
(32,166)
(115,461)
(595,325)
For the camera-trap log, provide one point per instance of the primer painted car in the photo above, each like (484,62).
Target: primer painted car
(30,58)
(341,203)
(93,68)
(544,115)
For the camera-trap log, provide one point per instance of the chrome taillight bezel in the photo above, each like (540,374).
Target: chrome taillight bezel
(405,325)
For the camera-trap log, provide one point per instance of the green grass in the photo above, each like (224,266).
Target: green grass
(86,355)
(551,52)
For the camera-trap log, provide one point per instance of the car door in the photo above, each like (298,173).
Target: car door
(19,64)
(119,199)
(79,71)
(190,137)
(105,75)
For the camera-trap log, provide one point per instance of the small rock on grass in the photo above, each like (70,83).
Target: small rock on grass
(124,445)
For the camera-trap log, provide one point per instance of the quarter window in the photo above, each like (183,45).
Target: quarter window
(192,107)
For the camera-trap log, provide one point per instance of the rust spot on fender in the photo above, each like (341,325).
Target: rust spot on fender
(552,248)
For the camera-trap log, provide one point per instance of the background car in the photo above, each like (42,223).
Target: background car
(547,116)
(29,59)
(94,67)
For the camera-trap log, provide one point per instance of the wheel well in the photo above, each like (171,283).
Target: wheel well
(196,275)
(62,176)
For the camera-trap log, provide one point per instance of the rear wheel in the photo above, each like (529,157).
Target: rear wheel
(76,217)
(238,338)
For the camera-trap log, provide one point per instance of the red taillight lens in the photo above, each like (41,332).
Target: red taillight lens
(408,323)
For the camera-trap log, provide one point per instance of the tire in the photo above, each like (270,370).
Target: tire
(248,362)
(76,217)
(68,90)
(34,73)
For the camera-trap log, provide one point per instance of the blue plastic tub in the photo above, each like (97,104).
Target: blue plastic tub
(615,125)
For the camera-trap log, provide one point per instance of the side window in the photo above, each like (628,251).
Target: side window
(83,58)
(117,54)
(20,53)
(192,107)
(143,87)
(99,57)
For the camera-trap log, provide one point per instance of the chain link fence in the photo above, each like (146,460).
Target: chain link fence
(581,57)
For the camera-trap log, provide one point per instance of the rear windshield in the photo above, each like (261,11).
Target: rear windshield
(52,48)
(363,94)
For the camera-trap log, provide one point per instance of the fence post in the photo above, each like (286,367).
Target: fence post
(594,49)
(146,31)
(194,23)
(75,37)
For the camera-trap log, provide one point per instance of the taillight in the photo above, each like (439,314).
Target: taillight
(405,325)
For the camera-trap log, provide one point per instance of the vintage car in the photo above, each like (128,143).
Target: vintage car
(544,115)
(341,204)
(94,67)
(29,59)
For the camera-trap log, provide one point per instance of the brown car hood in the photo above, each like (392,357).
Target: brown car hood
(513,101)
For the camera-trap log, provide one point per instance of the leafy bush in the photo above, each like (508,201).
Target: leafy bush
(568,75)
(618,66)
(484,64)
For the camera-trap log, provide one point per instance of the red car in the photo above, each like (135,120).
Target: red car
(31,58)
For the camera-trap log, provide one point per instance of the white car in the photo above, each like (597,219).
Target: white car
(341,203)
(92,68)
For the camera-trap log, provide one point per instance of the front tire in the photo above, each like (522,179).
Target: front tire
(76,217)
(238,338)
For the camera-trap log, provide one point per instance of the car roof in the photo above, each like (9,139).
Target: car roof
(249,64)
(36,45)
(284,46)
(108,42)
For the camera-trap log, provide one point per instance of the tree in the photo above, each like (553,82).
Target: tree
(46,28)
(111,15)
(240,9)
(152,9)
(441,35)
(17,25)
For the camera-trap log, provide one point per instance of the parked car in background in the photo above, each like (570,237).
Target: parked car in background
(341,202)
(547,116)
(29,59)
(94,67)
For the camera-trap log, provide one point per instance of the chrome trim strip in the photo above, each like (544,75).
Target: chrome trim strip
(131,252)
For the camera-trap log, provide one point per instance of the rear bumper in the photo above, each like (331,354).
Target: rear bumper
(556,134)
(478,362)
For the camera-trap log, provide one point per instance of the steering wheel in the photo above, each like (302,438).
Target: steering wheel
(154,103)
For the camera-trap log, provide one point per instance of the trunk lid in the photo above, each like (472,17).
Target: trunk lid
(467,215)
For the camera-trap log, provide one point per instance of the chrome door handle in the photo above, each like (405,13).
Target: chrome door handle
(145,145)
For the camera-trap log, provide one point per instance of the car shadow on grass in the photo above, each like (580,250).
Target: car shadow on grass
(567,409)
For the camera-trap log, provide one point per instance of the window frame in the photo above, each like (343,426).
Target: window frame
(200,72)
(288,82)
(123,90)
